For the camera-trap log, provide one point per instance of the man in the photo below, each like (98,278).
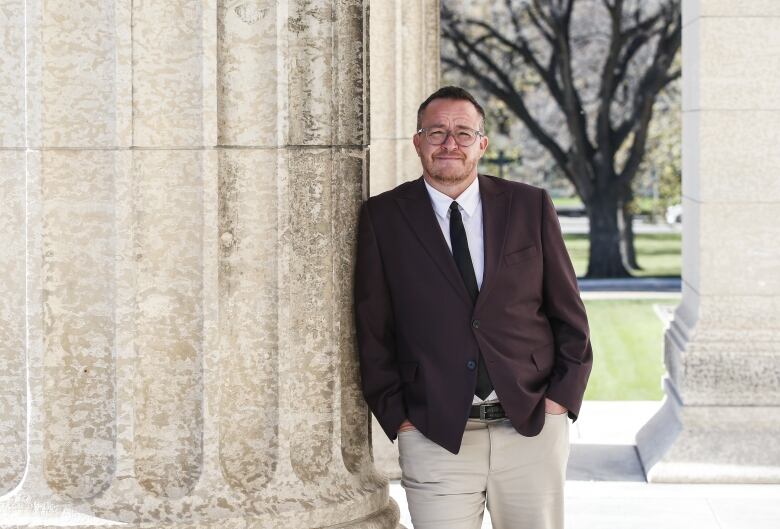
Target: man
(473,341)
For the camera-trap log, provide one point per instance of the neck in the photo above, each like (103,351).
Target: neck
(451,190)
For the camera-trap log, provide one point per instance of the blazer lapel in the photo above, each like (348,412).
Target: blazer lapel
(416,207)
(495,216)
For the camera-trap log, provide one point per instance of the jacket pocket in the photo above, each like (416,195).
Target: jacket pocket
(543,358)
(519,256)
(408,371)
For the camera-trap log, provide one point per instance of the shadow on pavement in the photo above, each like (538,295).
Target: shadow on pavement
(597,462)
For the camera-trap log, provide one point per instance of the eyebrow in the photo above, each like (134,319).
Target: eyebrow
(442,125)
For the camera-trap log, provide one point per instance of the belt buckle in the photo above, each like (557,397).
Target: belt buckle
(482,408)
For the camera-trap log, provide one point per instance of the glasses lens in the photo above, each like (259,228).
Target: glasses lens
(463,137)
(436,136)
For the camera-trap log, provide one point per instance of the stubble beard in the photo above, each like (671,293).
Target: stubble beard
(449,178)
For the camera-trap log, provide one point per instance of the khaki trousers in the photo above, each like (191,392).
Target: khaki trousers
(521,478)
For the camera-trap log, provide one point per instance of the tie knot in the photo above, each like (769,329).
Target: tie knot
(454,207)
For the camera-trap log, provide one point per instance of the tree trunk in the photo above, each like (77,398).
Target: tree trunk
(626,226)
(605,259)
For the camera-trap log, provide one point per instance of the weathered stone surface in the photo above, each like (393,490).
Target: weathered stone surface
(12,77)
(178,247)
(249,100)
(78,321)
(13,358)
(736,155)
(730,77)
(248,319)
(78,74)
(168,338)
(167,73)
(404,71)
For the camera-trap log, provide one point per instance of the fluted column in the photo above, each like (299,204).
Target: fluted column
(405,69)
(720,420)
(179,189)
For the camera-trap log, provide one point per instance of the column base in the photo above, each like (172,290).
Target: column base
(386,518)
(710,444)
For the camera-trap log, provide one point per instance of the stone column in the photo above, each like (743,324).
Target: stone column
(179,189)
(405,66)
(720,420)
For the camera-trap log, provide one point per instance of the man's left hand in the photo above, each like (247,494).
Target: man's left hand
(553,408)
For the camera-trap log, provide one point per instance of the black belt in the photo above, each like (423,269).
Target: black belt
(487,411)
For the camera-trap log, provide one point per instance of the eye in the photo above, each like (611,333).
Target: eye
(436,133)
(466,135)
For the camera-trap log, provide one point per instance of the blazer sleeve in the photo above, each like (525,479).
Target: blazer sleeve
(566,314)
(380,378)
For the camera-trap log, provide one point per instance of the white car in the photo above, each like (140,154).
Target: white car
(674,214)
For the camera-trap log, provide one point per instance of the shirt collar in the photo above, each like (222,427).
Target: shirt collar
(468,200)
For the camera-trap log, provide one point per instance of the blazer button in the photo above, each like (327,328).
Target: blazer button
(475,324)
(471,364)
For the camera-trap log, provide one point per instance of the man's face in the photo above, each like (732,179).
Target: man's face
(450,163)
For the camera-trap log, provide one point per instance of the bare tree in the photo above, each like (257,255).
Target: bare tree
(603,64)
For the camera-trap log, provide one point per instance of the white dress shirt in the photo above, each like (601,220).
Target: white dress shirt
(470,206)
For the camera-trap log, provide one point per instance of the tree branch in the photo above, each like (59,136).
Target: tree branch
(575,115)
(504,91)
(607,88)
(525,51)
(651,84)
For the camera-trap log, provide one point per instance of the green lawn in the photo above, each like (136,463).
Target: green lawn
(659,254)
(627,339)
(568,202)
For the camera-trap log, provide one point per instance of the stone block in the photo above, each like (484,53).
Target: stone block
(738,249)
(13,357)
(327,89)
(167,74)
(732,156)
(248,320)
(711,362)
(78,321)
(78,81)
(710,444)
(168,256)
(740,69)
(249,102)
(404,71)
(12,75)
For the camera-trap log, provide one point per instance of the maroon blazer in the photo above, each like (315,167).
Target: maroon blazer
(419,335)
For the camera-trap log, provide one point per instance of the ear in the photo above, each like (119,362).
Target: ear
(416,142)
(483,144)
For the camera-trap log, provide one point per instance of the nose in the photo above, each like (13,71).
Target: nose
(449,142)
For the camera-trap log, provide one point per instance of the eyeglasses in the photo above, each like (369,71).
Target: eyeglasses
(438,135)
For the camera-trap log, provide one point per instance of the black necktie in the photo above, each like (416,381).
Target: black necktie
(460,251)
